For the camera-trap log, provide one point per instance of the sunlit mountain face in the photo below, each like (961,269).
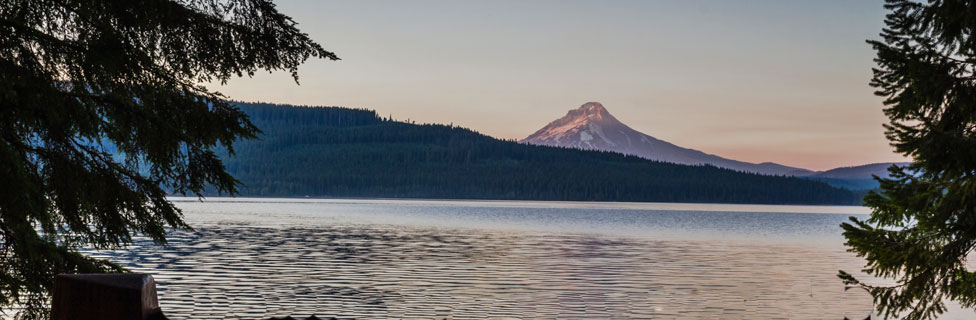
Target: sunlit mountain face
(592,127)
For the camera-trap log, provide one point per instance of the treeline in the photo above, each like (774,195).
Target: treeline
(341,152)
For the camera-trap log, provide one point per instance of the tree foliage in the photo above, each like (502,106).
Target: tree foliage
(339,152)
(923,224)
(102,113)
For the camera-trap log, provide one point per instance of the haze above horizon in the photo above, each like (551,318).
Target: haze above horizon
(755,81)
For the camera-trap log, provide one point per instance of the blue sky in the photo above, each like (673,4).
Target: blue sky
(781,81)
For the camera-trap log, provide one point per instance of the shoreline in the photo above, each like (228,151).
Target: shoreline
(676,206)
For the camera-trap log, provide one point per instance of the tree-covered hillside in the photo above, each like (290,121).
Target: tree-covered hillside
(341,152)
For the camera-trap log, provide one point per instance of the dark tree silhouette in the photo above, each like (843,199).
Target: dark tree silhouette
(102,113)
(339,152)
(923,224)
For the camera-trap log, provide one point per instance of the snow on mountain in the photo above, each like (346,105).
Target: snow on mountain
(592,127)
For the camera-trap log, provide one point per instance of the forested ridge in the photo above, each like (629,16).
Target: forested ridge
(342,152)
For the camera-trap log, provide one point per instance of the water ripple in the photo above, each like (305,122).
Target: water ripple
(377,272)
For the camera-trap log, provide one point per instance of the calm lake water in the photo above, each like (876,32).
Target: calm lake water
(379,259)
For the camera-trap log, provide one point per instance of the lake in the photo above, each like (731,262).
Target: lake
(252,258)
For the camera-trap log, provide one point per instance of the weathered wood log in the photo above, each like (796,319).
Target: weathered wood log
(105,297)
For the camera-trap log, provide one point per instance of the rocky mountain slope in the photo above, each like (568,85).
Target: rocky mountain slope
(592,127)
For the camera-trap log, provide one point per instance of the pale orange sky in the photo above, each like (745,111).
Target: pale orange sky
(780,81)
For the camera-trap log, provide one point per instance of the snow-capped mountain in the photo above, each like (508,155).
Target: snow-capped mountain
(592,127)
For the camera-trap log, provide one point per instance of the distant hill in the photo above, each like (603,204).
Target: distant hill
(340,152)
(858,172)
(592,127)
(854,177)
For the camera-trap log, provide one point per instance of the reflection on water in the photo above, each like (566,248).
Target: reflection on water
(257,260)
(254,272)
(804,225)
(379,259)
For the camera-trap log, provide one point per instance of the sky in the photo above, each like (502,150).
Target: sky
(756,81)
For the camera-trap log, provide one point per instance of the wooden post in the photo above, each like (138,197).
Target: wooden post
(111,296)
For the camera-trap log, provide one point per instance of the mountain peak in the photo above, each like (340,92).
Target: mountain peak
(592,127)
(588,111)
(593,107)
(582,127)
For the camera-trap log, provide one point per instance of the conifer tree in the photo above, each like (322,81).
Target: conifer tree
(82,81)
(923,221)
